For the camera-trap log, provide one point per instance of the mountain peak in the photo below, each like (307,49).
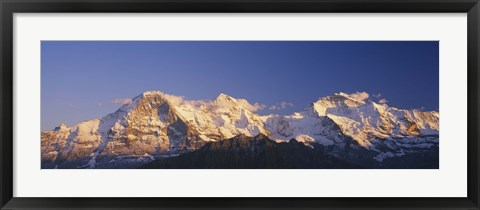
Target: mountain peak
(161,96)
(147,94)
(153,92)
(61,127)
(340,99)
(360,97)
(225,97)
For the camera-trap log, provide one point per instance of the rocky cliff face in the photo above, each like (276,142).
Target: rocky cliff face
(156,124)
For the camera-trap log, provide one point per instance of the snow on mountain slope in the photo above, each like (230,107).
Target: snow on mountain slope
(222,118)
(355,116)
(155,123)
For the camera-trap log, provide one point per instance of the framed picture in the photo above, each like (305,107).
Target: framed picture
(239,105)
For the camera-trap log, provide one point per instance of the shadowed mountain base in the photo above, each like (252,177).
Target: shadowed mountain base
(242,152)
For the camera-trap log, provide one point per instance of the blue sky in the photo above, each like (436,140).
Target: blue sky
(85,79)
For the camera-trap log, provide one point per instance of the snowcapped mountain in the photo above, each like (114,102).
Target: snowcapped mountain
(156,124)
(354,116)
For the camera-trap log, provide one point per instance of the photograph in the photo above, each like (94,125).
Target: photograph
(240,104)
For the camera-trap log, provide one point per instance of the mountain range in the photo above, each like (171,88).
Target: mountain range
(159,130)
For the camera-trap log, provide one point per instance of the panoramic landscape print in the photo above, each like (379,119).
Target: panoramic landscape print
(239,105)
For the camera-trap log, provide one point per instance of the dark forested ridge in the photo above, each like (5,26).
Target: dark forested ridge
(260,152)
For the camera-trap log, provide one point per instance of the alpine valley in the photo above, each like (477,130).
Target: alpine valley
(158,130)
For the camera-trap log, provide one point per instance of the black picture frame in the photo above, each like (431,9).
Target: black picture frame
(9,7)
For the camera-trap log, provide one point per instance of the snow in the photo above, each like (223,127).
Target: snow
(327,121)
(146,155)
(380,157)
